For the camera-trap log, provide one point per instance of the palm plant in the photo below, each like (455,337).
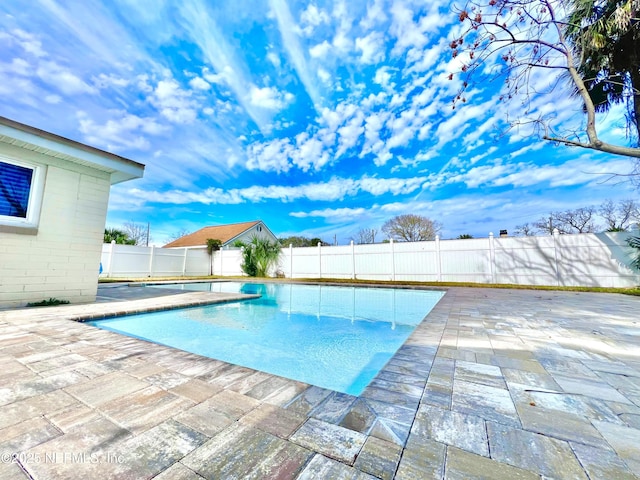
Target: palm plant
(259,255)
(120,237)
(606,38)
(634,242)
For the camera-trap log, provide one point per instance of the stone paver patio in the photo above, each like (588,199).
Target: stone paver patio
(494,384)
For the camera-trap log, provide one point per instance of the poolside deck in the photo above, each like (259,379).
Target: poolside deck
(494,384)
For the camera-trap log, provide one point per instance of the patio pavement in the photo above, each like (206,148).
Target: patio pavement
(493,384)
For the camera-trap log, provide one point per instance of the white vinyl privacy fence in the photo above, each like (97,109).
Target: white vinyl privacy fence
(132,261)
(574,260)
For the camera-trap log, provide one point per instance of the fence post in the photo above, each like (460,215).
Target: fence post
(184,262)
(492,258)
(291,260)
(393,261)
(438,260)
(353,261)
(319,259)
(111,252)
(555,235)
(151,260)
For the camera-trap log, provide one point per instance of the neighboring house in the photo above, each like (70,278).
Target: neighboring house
(53,206)
(227,234)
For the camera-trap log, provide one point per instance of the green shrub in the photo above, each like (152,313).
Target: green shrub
(258,256)
(48,303)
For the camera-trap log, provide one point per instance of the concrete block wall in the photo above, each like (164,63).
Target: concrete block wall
(62,259)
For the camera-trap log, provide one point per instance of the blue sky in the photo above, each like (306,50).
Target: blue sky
(320,118)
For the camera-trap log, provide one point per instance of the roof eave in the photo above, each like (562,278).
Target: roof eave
(121,169)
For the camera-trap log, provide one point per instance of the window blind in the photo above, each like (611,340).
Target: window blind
(15,186)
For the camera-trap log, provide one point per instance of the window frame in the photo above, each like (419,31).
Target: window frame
(34,204)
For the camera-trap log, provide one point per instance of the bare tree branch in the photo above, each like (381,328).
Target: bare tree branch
(521,36)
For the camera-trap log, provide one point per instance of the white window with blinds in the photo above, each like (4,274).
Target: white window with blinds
(21,186)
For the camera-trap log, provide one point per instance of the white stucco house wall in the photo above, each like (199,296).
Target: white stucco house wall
(53,205)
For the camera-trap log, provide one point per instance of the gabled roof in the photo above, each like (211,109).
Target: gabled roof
(46,143)
(224,233)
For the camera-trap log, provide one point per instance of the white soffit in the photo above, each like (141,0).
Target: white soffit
(31,138)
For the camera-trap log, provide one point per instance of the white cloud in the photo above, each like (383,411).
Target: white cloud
(463,118)
(18,66)
(374,100)
(198,19)
(111,80)
(408,34)
(349,134)
(425,97)
(274,59)
(124,131)
(402,127)
(426,59)
(480,130)
(53,99)
(199,83)
(376,15)
(373,125)
(324,75)
(311,18)
(310,153)
(332,214)
(342,39)
(372,48)
(342,42)
(173,103)
(395,186)
(21,90)
(417,159)
(583,170)
(483,175)
(63,79)
(383,78)
(225,76)
(94,33)
(142,82)
(320,50)
(527,148)
(397,100)
(270,156)
(29,43)
(269,98)
(331,190)
(294,50)
(382,157)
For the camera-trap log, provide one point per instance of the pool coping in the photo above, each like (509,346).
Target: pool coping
(321,433)
(184,300)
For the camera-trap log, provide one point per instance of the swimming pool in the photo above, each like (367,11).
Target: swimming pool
(332,337)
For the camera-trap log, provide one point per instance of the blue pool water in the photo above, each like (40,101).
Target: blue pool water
(332,337)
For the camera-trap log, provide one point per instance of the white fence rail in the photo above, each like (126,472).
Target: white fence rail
(131,261)
(600,259)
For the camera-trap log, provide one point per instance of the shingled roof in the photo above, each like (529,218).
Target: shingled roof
(224,233)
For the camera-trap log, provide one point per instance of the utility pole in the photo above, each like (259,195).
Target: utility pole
(148,228)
